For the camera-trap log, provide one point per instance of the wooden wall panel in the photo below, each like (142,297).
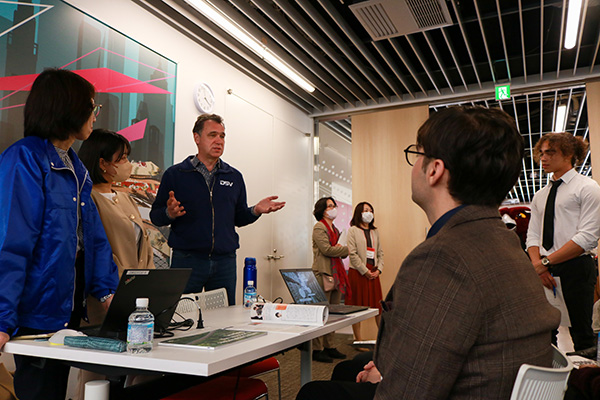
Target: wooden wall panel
(593,99)
(381,176)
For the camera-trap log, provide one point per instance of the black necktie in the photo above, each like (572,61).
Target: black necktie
(548,236)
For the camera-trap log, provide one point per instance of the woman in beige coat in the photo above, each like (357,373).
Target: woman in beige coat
(328,267)
(104,154)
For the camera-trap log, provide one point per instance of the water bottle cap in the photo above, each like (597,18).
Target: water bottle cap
(250,260)
(141,302)
(250,283)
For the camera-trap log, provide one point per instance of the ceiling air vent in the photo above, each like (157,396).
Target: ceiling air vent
(389,18)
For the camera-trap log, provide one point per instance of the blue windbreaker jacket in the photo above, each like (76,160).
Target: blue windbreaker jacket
(211,213)
(38,241)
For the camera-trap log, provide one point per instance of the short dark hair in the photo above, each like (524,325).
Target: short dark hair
(480,147)
(568,144)
(102,143)
(59,104)
(321,206)
(199,124)
(357,217)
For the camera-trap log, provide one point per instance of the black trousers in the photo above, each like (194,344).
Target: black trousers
(342,385)
(578,278)
(43,378)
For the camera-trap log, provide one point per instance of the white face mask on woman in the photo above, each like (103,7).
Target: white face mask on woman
(331,214)
(123,171)
(367,217)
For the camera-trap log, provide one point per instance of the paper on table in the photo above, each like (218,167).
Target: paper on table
(295,314)
(558,301)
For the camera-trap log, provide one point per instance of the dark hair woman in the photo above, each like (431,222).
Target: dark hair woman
(366,262)
(328,267)
(104,154)
(53,249)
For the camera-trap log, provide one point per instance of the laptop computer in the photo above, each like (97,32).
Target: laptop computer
(163,288)
(305,289)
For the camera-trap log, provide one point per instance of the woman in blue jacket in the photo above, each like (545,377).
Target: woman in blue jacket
(53,249)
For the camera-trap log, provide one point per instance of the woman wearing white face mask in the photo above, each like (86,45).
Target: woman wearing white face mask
(104,154)
(366,262)
(329,270)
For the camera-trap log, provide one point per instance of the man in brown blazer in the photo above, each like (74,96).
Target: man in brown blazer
(466,308)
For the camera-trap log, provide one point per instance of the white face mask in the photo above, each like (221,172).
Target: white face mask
(123,172)
(367,217)
(331,214)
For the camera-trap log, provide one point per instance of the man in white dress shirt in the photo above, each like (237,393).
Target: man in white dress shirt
(564,228)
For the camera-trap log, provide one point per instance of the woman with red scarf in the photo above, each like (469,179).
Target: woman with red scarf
(329,270)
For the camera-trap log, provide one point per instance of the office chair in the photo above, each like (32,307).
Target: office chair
(223,388)
(217,299)
(540,383)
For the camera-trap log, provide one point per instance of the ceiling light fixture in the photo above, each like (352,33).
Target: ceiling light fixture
(218,18)
(559,122)
(573,14)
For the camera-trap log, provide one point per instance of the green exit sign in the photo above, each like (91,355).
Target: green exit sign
(503,92)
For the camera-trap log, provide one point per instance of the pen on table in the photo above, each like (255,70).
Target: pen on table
(32,337)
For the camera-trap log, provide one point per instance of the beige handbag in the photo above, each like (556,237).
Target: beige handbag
(328,283)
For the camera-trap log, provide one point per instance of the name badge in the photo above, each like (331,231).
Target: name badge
(370,253)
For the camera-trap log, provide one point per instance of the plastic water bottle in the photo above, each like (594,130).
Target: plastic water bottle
(249,271)
(249,295)
(140,330)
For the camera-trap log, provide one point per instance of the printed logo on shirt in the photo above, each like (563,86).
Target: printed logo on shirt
(226,183)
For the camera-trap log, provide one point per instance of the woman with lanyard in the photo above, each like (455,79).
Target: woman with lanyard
(329,270)
(366,262)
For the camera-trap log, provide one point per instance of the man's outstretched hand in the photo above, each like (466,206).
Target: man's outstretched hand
(267,205)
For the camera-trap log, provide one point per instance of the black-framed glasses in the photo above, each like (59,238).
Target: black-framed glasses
(96,109)
(411,154)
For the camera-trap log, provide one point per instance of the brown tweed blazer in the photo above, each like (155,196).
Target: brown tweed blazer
(466,310)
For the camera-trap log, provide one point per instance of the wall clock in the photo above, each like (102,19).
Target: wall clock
(204,98)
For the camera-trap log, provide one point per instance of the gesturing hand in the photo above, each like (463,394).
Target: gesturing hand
(174,209)
(267,205)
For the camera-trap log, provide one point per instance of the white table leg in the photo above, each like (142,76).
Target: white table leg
(305,362)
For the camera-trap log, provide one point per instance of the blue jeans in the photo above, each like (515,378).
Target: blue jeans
(208,273)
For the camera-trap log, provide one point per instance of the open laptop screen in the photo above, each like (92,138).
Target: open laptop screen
(163,288)
(303,286)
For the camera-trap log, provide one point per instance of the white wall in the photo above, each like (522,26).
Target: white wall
(251,147)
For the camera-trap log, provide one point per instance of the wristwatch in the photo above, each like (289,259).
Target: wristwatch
(545,261)
(104,298)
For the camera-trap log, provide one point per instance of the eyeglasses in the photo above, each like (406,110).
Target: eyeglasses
(411,154)
(96,109)
(330,206)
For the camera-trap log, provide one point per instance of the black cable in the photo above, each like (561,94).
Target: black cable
(200,324)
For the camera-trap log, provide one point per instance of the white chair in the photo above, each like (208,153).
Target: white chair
(540,383)
(217,299)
